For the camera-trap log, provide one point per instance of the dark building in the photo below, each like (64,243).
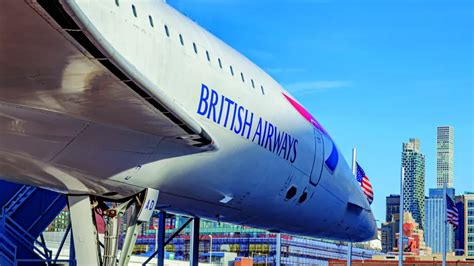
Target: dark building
(390,227)
(388,234)
(459,233)
(392,207)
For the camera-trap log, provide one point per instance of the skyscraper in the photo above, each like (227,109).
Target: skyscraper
(390,227)
(413,161)
(434,221)
(392,207)
(445,156)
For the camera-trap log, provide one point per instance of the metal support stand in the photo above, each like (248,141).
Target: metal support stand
(83,231)
(169,239)
(278,250)
(130,238)
(160,247)
(194,254)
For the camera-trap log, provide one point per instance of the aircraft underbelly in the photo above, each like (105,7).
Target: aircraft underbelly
(41,68)
(66,122)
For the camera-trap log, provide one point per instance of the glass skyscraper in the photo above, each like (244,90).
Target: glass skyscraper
(434,221)
(413,161)
(445,156)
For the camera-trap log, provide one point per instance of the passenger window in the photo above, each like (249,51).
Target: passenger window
(195,48)
(231,70)
(220,63)
(151,21)
(134,10)
(263,91)
(181,39)
(208,57)
(253,84)
(167,31)
(242,76)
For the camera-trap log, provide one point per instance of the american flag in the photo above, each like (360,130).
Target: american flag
(365,184)
(453,215)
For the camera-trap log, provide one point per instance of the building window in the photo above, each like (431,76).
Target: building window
(117,3)
(151,21)
(195,48)
(253,83)
(231,70)
(208,57)
(242,76)
(167,31)
(134,10)
(220,63)
(181,39)
(262,89)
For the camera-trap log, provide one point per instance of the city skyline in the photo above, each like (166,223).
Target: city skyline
(370,87)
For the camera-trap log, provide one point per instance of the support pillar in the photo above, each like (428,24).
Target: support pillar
(84,233)
(349,254)
(194,254)
(278,250)
(160,243)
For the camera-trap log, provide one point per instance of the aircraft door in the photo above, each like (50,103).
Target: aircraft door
(318,158)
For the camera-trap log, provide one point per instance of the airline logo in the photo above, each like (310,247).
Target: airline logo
(333,159)
(305,114)
(242,121)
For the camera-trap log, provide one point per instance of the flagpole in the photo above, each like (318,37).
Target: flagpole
(349,245)
(400,220)
(445,225)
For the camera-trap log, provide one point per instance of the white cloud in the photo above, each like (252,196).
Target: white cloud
(306,87)
(286,70)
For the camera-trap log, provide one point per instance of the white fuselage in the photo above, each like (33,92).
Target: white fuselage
(263,146)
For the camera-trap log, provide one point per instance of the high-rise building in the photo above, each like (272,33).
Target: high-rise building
(434,221)
(390,227)
(445,156)
(469,223)
(413,162)
(459,233)
(392,207)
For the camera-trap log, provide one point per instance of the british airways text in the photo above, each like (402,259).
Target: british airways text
(240,120)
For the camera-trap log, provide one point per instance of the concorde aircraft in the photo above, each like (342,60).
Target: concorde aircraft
(110,98)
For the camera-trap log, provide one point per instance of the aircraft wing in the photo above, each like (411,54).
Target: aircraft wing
(59,67)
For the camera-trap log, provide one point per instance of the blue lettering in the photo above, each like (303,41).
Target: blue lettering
(212,105)
(269,137)
(220,110)
(293,159)
(284,144)
(203,101)
(229,103)
(233,117)
(239,117)
(217,108)
(277,140)
(264,134)
(247,123)
(291,142)
(258,131)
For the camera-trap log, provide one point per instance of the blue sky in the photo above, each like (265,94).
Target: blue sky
(374,73)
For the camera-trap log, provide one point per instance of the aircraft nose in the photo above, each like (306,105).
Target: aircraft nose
(367,227)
